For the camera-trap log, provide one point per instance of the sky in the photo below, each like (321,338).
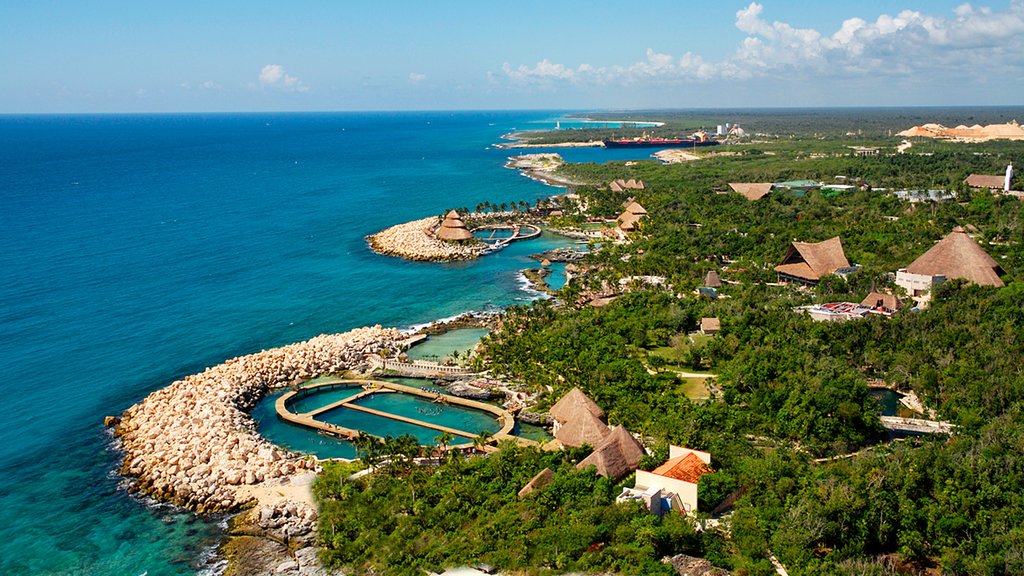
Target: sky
(69,56)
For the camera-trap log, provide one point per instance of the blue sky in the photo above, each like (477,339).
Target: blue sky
(130,56)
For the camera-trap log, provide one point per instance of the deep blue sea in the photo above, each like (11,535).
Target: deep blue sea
(137,249)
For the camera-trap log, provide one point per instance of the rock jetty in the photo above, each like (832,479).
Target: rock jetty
(415,241)
(193,442)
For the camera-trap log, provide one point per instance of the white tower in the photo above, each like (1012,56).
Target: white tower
(1009,178)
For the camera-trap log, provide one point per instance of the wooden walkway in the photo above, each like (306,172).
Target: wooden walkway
(309,419)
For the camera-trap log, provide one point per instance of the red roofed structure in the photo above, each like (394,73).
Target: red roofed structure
(688,468)
(673,485)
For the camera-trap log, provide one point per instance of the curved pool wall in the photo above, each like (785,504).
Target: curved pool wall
(310,441)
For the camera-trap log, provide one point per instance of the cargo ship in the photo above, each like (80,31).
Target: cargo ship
(645,141)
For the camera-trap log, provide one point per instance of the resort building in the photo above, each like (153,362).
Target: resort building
(711,280)
(578,420)
(621,185)
(797,187)
(882,301)
(1002,183)
(453,229)
(671,486)
(710,326)
(806,262)
(618,455)
(918,196)
(751,190)
(629,219)
(955,256)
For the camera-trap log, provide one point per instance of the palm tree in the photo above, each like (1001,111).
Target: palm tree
(482,439)
(444,439)
(368,447)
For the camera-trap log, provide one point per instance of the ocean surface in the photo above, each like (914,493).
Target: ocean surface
(137,249)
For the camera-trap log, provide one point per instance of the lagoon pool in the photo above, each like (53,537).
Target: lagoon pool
(441,345)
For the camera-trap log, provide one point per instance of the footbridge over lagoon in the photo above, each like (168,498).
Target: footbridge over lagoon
(368,387)
(416,368)
(916,425)
(518,233)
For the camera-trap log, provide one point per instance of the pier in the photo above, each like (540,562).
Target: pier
(309,419)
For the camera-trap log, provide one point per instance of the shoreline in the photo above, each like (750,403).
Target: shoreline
(193,442)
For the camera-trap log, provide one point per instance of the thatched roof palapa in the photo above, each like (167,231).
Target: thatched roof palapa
(453,228)
(752,190)
(628,220)
(882,300)
(621,185)
(708,325)
(712,280)
(810,261)
(958,256)
(582,428)
(569,405)
(986,181)
(542,479)
(617,456)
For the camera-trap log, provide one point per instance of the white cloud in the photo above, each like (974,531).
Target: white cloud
(274,76)
(971,42)
(416,78)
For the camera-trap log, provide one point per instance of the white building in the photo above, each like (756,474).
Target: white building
(671,486)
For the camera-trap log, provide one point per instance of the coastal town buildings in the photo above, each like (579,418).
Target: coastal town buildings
(955,256)
(671,486)
(807,262)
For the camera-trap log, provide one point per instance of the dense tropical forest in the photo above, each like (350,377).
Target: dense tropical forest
(794,430)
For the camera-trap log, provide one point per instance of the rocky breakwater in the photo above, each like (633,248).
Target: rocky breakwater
(193,442)
(415,241)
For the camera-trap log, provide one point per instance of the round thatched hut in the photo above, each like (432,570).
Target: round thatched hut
(453,229)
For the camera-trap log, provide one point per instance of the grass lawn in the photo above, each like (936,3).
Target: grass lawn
(695,388)
(675,352)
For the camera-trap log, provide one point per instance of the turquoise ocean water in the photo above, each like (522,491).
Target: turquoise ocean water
(137,249)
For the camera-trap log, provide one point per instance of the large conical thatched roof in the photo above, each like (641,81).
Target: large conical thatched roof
(958,256)
(570,404)
(711,280)
(453,228)
(811,261)
(617,456)
(542,479)
(628,220)
(582,428)
(752,190)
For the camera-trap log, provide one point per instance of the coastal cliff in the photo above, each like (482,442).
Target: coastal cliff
(193,442)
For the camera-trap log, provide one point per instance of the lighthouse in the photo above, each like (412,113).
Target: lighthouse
(1009,178)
